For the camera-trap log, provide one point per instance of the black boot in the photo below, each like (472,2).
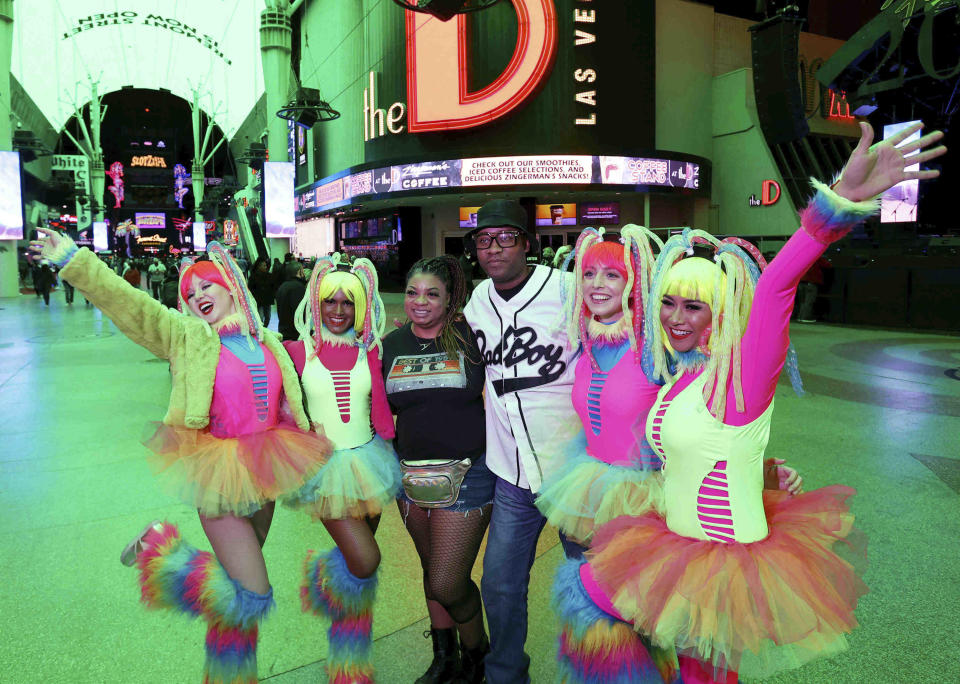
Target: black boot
(446,658)
(471,671)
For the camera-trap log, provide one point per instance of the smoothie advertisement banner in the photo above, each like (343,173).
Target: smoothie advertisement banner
(639,173)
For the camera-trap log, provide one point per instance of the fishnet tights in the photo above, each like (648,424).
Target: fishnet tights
(447,543)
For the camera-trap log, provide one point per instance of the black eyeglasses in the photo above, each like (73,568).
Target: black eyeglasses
(504,239)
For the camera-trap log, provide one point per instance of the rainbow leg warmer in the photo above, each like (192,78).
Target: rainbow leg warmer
(329,590)
(594,647)
(231,655)
(176,576)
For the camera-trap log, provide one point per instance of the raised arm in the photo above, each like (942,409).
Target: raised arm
(138,315)
(830,215)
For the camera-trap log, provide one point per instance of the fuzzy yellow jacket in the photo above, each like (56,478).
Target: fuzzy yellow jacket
(190,344)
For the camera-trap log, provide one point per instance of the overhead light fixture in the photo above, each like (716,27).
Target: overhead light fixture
(307,108)
(444,10)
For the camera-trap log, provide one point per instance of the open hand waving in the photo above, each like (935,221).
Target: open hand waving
(873,169)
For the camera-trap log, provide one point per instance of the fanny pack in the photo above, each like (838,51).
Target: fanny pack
(433,483)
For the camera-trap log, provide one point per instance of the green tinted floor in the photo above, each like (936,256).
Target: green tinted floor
(882,414)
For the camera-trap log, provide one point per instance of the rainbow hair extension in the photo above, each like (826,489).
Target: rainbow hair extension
(250,323)
(375,319)
(360,285)
(185,264)
(596,648)
(637,267)
(330,590)
(721,285)
(176,576)
(727,285)
(307,319)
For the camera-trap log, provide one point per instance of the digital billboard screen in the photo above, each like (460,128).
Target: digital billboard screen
(199,236)
(556,214)
(101,242)
(549,170)
(599,213)
(11,199)
(899,203)
(279,199)
(468,217)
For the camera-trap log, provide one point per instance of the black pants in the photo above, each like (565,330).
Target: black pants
(68,291)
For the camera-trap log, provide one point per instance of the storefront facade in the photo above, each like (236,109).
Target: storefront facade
(616,112)
(548,101)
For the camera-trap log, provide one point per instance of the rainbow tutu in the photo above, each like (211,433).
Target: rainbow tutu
(234,475)
(585,493)
(756,608)
(354,483)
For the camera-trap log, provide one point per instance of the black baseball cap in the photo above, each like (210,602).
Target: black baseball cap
(502,212)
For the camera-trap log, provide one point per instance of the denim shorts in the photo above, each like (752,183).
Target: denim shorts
(475,492)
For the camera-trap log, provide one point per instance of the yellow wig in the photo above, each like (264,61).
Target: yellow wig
(350,285)
(725,285)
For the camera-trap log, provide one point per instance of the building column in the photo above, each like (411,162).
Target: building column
(275,37)
(9,274)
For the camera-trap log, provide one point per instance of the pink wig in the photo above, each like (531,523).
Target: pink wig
(205,270)
(604,255)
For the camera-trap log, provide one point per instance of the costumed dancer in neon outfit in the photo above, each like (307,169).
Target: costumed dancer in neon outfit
(609,472)
(234,439)
(341,320)
(731,569)
(614,471)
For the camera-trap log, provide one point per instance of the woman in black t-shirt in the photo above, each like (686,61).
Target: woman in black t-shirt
(434,377)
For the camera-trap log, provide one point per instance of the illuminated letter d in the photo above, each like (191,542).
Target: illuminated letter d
(437,62)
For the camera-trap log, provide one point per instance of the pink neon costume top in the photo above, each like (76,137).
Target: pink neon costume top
(246,397)
(610,405)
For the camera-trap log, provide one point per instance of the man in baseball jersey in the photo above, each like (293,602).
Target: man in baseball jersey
(517,317)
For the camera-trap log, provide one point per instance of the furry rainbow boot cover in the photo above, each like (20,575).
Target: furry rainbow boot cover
(176,576)
(330,590)
(596,648)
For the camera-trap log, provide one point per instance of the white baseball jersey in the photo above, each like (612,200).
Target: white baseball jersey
(529,367)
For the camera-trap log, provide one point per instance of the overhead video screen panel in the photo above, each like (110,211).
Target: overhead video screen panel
(180,46)
(279,199)
(11,199)
(899,203)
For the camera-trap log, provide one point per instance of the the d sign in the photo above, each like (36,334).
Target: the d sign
(770,192)
(437,62)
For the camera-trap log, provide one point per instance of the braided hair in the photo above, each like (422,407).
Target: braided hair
(446,269)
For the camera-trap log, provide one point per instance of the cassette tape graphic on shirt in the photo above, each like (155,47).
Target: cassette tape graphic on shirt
(426,371)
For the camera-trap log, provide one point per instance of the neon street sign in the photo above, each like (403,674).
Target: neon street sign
(149,160)
(769,194)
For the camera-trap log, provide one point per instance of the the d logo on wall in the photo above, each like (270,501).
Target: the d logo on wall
(437,64)
(769,194)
